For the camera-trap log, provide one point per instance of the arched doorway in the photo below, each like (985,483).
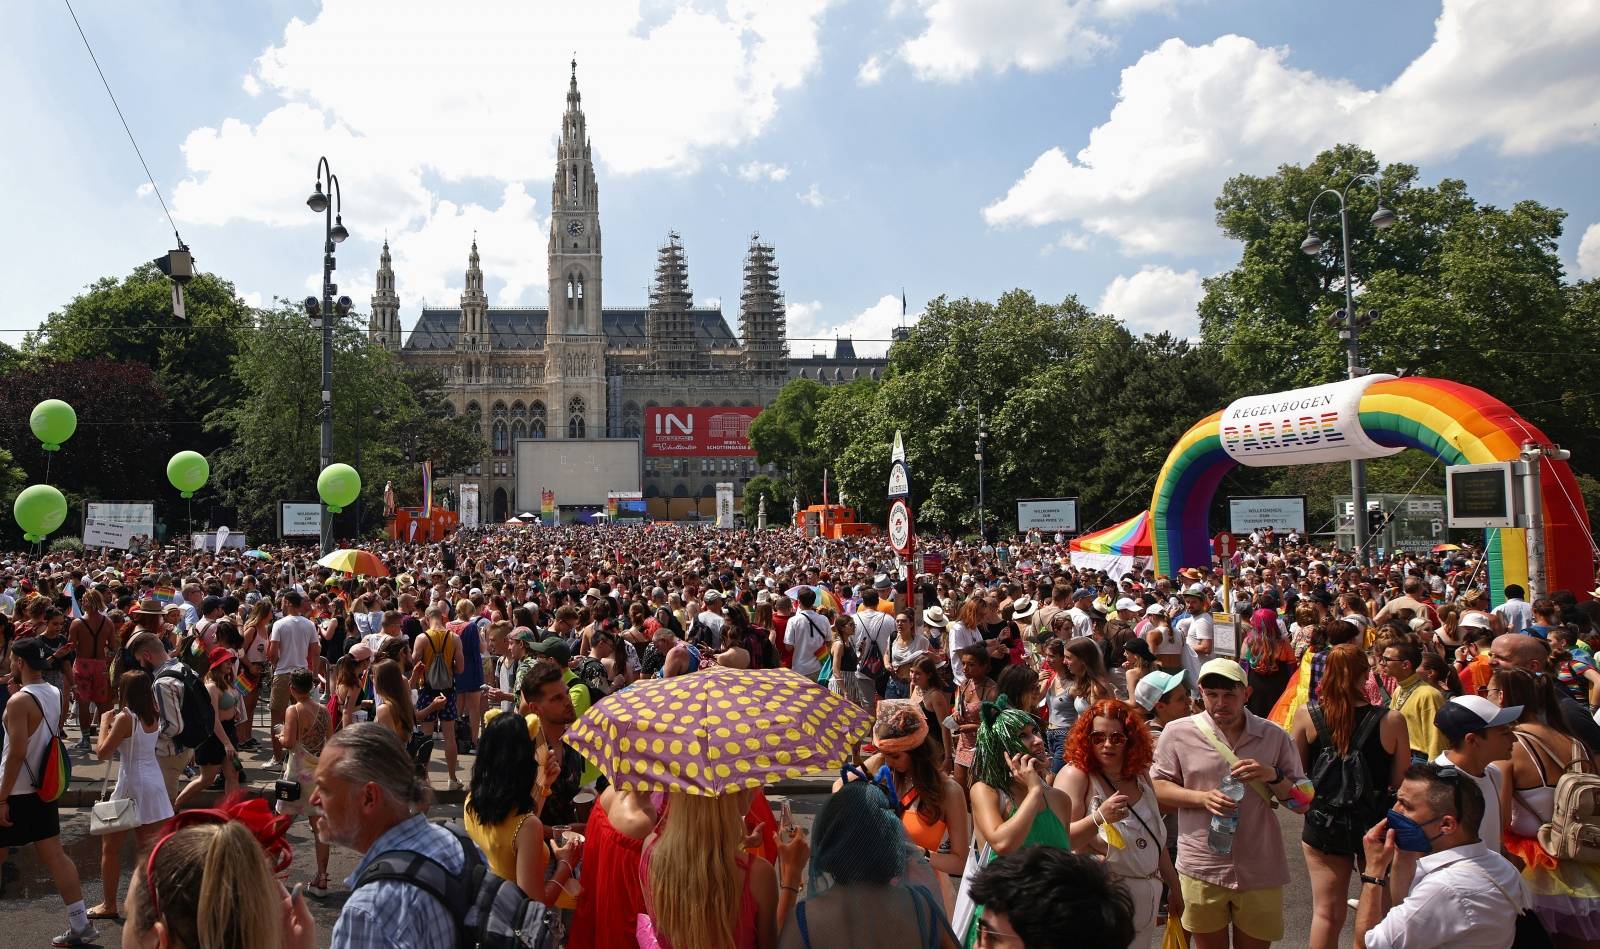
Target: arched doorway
(1368,417)
(502,505)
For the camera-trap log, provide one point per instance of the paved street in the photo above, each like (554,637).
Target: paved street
(33,912)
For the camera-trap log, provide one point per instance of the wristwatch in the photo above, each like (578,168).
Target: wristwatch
(1375,881)
(1277,775)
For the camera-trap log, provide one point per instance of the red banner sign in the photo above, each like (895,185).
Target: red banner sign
(698,431)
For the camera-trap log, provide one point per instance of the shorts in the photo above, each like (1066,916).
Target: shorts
(1208,908)
(211,751)
(32,820)
(425,697)
(281,698)
(92,681)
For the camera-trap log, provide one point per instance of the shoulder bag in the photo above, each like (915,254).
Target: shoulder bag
(113,817)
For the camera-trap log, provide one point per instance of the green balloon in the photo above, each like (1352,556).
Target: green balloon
(338,486)
(39,509)
(53,422)
(188,472)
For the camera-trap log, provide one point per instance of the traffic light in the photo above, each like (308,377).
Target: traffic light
(1375,520)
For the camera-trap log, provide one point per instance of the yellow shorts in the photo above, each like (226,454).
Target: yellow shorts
(1208,908)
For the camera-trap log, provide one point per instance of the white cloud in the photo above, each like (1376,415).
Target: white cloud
(870,329)
(662,87)
(1188,117)
(430,262)
(871,71)
(251,85)
(145,189)
(813,196)
(252,299)
(1155,300)
(1589,253)
(963,37)
(1071,240)
(763,171)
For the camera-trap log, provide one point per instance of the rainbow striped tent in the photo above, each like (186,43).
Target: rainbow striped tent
(1118,550)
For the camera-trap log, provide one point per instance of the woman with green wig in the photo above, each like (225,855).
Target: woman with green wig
(1013,803)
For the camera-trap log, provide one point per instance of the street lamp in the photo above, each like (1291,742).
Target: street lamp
(977,456)
(334,232)
(1312,246)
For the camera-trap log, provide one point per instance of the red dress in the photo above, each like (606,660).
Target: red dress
(610,866)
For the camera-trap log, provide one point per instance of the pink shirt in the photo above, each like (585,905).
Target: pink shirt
(1185,757)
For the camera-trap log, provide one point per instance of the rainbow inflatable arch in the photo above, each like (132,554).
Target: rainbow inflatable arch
(1454,422)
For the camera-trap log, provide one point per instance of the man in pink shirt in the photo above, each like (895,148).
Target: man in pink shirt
(1240,890)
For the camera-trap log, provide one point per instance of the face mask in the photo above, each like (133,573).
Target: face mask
(1409,835)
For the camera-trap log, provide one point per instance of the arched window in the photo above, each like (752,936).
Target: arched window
(518,410)
(499,410)
(501,437)
(536,420)
(519,431)
(575,424)
(631,420)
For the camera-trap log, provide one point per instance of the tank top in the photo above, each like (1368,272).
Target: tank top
(497,841)
(1063,707)
(49,699)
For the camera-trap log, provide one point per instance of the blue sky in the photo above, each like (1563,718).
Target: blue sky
(947,146)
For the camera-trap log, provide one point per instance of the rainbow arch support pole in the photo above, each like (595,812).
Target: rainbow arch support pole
(1456,423)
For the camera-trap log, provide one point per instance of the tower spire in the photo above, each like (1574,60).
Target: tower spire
(383,325)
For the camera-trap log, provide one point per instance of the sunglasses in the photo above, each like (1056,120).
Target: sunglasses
(1115,739)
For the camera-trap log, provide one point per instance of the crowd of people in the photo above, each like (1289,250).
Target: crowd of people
(1058,757)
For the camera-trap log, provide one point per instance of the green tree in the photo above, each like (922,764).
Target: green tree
(1462,290)
(783,433)
(777,493)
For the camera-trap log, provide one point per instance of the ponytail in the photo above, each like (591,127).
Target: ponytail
(239,905)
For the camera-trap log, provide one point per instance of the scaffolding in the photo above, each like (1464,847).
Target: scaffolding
(669,322)
(761,311)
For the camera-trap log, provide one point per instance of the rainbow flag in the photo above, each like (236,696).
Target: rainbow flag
(547,507)
(427,489)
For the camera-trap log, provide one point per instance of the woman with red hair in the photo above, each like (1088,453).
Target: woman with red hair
(1114,809)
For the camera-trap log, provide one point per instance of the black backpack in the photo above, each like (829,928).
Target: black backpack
(1346,801)
(198,715)
(489,912)
(592,673)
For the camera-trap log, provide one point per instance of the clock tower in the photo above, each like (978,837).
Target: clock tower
(574,332)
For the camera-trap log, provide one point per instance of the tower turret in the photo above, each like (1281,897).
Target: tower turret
(383,326)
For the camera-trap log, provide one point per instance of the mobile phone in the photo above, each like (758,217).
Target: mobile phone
(786,816)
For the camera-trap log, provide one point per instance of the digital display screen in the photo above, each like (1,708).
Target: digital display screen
(1479,494)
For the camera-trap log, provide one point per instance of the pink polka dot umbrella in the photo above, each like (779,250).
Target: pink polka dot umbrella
(718,731)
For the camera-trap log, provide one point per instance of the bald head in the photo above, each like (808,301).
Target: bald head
(1519,651)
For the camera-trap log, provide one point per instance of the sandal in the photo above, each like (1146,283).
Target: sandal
(100,912)
(319,886)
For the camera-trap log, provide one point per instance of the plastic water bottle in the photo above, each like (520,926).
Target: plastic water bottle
(1220,839)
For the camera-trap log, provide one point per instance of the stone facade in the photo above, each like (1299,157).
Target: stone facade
(577,369)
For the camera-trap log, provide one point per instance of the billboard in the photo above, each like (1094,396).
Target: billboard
(626,506)
(1048,514)
(299,519)
(469,504)
(698,431)
(1282,513)
(577,471)
(1300,427)
(115,523)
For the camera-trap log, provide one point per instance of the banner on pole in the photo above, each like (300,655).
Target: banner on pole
(724,504)
(547,507)
(469,505)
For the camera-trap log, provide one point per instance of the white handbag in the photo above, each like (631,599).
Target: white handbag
(112,817)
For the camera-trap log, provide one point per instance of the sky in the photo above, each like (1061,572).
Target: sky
(956,147)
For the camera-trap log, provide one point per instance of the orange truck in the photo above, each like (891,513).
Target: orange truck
(832,521)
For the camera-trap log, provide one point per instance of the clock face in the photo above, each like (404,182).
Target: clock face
(574,228)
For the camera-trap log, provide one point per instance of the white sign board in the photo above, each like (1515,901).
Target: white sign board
(1300,427)
(1282,514)
(724,503)
(299,519)
(1481,495)
(469,505)
(1048,514)
(115,523)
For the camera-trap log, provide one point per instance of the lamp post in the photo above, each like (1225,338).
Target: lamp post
(977,456)
(333,233)
(1312,246)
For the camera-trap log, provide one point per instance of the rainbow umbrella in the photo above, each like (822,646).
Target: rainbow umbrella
(355,561)
(826,600)
(258,554)
(718,731)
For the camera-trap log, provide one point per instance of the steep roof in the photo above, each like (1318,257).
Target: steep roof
(524,328)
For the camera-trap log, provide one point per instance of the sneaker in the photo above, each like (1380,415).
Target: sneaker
(82,745)
(250,744)
(77,937)
(455,784)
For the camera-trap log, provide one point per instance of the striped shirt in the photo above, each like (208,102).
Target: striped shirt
(394,914)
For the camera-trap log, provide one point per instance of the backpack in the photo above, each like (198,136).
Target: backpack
(197,715)
(1573,831)
(592,673)
(871,658)
(700,634)
(55,765)
(489,912)
(1346,794)
(441,676)
(763,655)
(192,653)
